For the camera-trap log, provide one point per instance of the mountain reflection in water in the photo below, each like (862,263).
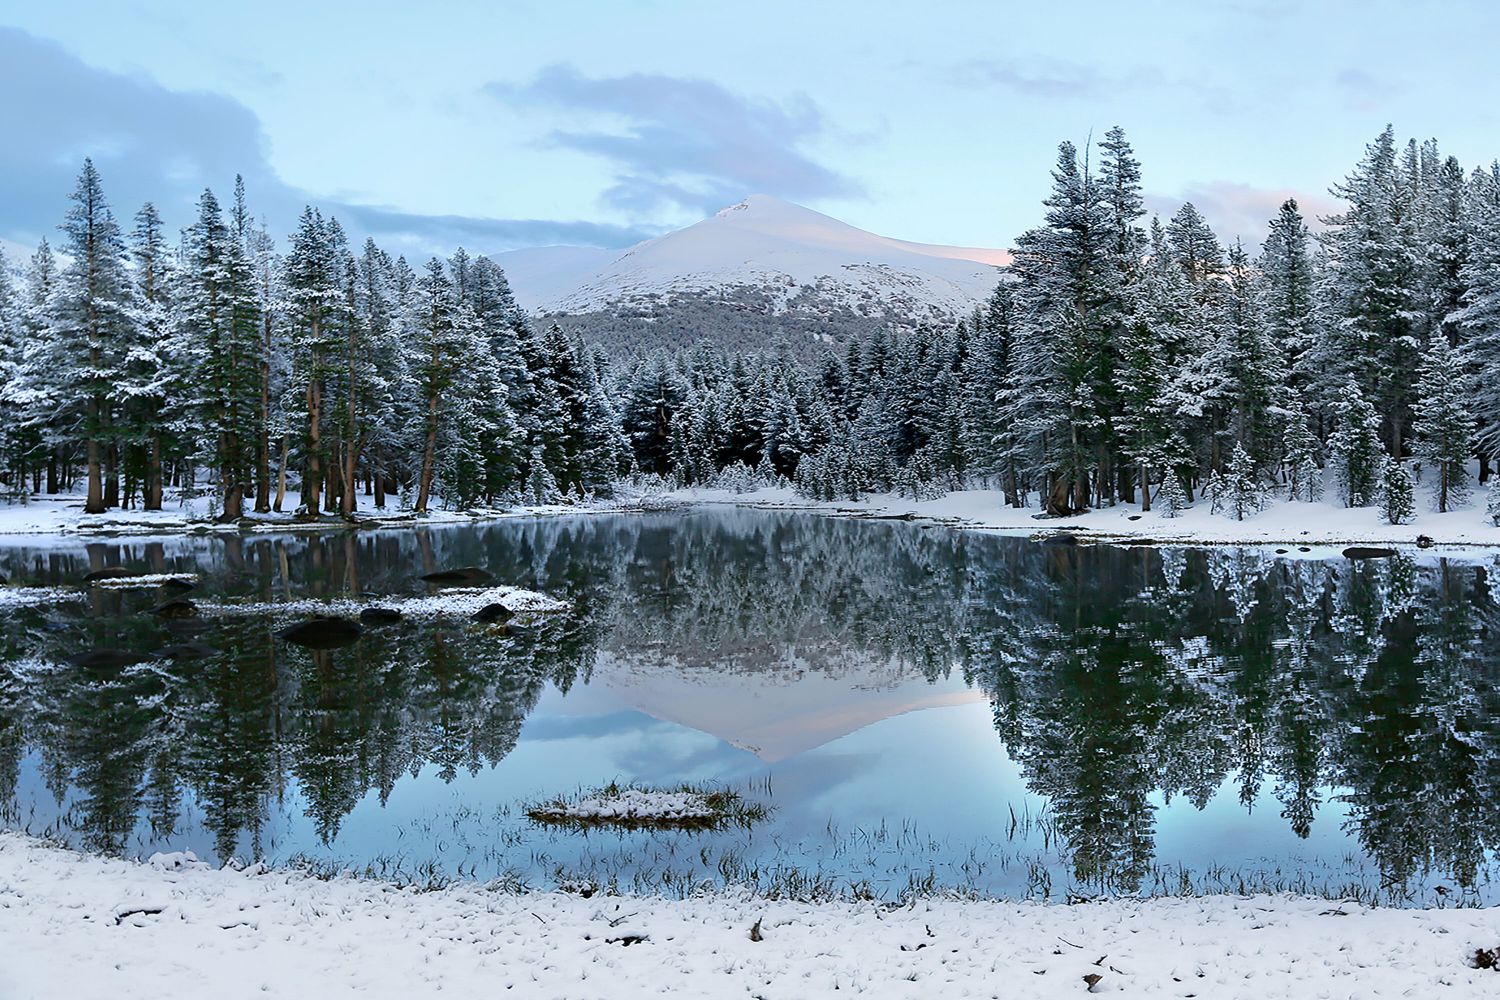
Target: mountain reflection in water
(1150,710)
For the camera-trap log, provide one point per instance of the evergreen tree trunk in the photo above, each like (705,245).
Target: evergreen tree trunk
(151,499)
(281,475)
(95,501)
(263,425)
(429,452)
(314,475)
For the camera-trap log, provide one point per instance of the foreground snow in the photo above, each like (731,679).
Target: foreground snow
(1281,523)
(88,927)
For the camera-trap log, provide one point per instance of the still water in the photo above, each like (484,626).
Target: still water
(920,708)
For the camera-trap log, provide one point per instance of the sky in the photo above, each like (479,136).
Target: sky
(517,123)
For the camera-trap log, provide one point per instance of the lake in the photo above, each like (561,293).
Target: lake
(920,709)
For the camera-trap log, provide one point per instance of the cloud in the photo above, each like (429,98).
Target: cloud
(1240,210)
(1362,91)
(153,143)
(684,142)
(1052,79)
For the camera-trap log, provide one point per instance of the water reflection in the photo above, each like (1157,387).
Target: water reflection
(1127,685)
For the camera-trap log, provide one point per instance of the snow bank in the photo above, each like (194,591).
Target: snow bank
(87,927)
(145,580)
(453,602)
(1281,523)
(28,597)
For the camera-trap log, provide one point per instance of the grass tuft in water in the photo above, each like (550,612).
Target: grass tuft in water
(636,807)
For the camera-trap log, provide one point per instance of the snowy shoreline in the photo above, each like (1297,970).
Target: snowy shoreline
(1284,523)
(176,928)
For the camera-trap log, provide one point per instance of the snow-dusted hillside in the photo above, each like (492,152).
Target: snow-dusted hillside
(767,257)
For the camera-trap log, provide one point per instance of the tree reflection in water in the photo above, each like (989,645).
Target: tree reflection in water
(1119,678)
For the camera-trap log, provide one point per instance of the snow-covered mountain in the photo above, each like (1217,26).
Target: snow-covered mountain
(763,262)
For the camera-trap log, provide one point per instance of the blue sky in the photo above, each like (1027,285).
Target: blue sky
(519,123)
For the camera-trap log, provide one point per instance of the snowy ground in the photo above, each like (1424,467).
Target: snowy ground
(1282,522)
(85,927)
(453,602)
(64,514)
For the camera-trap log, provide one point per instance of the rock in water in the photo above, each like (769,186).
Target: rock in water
(1060,539)
(111,573)
(178,586)
(180,608)
(379,616)
(494,614)
(323,633)
(1425,541)
(464,574)
(106,659)
(1367,552)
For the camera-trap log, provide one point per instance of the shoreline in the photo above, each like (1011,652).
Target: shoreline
(1332,528)
(184,929)
(984,510)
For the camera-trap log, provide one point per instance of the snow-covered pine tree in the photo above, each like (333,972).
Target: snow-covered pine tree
(13,470)
(217,341)
(1372,290)
(1398,497)
(1354,449)
(1478,318)
(148,368)
(1304,477)
(1444,422)
(1242,495)
(93,315)
(1065,308)
(1287,291)
(314,297)
(1492,501)
(1171,499)
(435,361)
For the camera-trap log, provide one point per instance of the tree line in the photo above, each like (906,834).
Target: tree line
(216,364)
(1120,361)
(1117,361)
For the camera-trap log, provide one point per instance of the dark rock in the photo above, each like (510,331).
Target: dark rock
(1133,517)
(1060,539)
(494,614)
(465,574)
(1367,552)
(1425,542)
(323,633)
(1133,542)
(106,659)
(1281,552)
(186,651)
(379,616)
(1303,548)
(179,586)
(111,573)
(179,608)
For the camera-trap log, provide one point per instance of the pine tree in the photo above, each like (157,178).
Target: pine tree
(1372,286)
(1171,500)
(313,300)
(435,360)
(1242,495)
(1444,422)
(1355,449)
(1492,501)
(93,316)
(1398,500)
